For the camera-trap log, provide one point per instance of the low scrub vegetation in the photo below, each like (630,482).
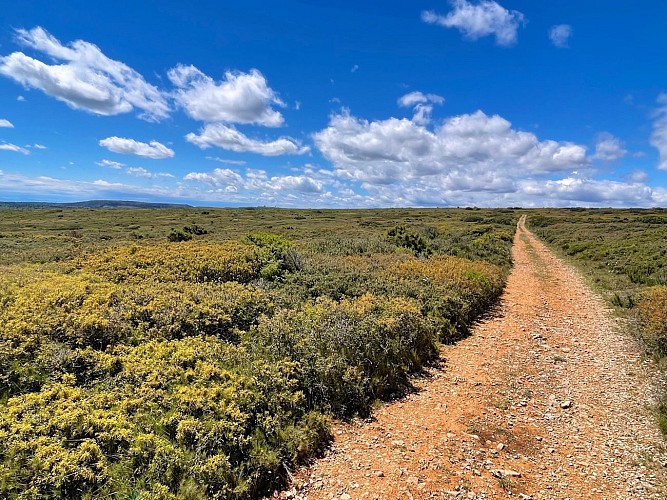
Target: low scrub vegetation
(209,368)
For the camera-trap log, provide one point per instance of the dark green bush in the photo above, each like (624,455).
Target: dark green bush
(410,239)
(179,235)
(351,352)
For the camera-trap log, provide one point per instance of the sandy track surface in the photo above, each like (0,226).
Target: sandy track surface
(546,399)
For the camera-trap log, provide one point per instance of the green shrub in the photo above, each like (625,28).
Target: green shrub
(178,235)
(410,239)
(351,352)
(275,254)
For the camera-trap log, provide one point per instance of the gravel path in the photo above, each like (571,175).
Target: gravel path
(547,399)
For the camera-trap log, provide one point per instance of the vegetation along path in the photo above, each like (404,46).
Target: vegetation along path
(547,399)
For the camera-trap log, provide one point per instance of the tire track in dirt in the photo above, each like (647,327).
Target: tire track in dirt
(546,399)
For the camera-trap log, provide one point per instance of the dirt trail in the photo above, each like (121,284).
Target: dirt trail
(548,399)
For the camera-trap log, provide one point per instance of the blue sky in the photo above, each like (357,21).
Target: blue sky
(330,104)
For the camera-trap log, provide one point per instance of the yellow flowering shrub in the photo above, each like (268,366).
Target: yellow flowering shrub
(208,370)
(59,320)
(187,261)
(195,408)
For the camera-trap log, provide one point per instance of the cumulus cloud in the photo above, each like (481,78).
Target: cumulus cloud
(659,135)
(154,149)
(229,138)
(6,124)
(481,19)
(110,164)
(560,35)
(84,78)
(238,98)
(6,146)
(396,150)
(469,159)
(299,183)
(422,105)
(608,148)
(217,177)
(258,183)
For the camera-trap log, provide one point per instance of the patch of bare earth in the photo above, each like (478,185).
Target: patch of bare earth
(548,399)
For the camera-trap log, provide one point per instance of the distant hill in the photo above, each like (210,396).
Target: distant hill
(90,204)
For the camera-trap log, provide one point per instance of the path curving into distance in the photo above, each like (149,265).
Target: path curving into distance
(547,399)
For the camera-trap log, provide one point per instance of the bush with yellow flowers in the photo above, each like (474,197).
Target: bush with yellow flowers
(193,370)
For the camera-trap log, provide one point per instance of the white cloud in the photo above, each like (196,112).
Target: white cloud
(478,20)
(560,35)
(354,69)
(638,176)
(608,148)
(422,105)
(226,137)
(413,98)
(256,183)
(20,98)
(466,146)
(471,159)
(154,149)
(6,123)
(659,135)
(5,146)
(147,174)
(226,161)
(110,164)
(84,79)
(218,177)
(588,192)
(299,183)
(42,187)
(239,98)
(39,146)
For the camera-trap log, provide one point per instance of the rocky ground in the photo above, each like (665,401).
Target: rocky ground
(548,398)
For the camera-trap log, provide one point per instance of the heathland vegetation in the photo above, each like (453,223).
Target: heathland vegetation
(624,254)
(190,353)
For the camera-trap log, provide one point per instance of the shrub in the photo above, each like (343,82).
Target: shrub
(198,369)
(350,352)
(189,261)
(651,311)
(178,235)
(410,239)
(275,254)
(56,324)
(195,230)
(195,413)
